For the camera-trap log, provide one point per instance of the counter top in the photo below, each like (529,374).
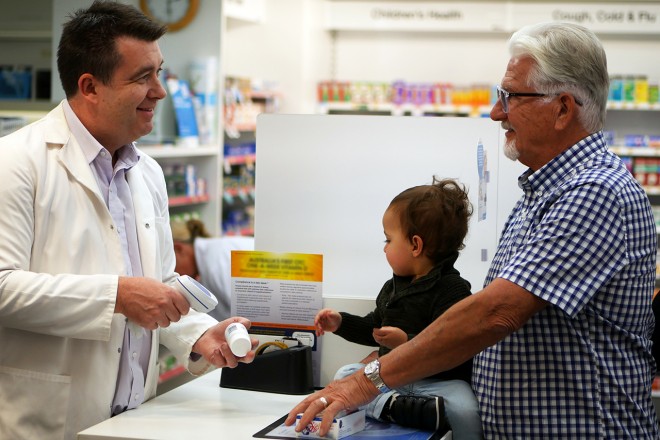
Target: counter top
(197,410)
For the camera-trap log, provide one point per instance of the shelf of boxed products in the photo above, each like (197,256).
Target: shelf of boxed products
(633,92)
(245,159)
(168,365)
(238,184)
(404,99)
(630,130)
(643,163)
(191,176)
(245,99)
(627,92)
(185,184)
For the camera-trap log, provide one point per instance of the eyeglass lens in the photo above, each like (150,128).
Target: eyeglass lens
(503,96)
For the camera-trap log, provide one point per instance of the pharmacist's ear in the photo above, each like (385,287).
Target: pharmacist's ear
(87,86)
(417,245)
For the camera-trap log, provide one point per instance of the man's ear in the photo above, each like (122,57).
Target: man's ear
(87,85)
(567,111)
(417,245)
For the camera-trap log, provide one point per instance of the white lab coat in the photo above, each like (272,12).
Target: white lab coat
(60,258)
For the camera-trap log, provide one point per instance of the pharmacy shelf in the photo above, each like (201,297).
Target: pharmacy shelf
(635,151)
(633,106)
(403,109)
(175,151)
(188,200)
(207,161)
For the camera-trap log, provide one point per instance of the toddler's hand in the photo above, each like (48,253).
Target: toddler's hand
(390,337)
(327,320)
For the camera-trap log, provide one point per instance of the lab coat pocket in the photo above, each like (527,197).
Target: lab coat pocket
(44,398)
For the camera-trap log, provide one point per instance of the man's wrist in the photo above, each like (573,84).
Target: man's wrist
(372,372)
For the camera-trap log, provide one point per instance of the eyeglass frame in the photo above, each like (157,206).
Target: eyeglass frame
(504,95)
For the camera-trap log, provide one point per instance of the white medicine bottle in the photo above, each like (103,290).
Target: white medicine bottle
(238,339)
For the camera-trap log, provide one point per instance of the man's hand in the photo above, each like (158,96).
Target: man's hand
(149,303)
(345,394)
(213,345)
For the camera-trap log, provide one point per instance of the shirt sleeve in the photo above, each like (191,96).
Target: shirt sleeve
(357,329)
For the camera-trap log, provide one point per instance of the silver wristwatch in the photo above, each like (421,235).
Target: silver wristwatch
(372,371)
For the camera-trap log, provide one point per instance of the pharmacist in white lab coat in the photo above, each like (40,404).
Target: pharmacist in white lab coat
(86,254)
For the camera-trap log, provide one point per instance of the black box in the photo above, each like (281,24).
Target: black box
(287,371)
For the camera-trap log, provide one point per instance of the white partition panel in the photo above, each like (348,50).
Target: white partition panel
(324,181)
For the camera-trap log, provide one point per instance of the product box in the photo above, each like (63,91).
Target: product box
(654,140)
(635,140)
(342,426)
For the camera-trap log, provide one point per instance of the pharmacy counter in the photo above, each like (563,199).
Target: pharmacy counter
(197,410)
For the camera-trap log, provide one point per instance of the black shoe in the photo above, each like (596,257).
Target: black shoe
(420,412)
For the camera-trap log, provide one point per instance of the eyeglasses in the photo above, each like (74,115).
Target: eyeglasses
(504,96)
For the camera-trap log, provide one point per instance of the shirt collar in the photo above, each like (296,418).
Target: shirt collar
(90,147)
(564,164)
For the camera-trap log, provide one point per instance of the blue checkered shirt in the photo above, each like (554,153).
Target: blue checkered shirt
(582,238)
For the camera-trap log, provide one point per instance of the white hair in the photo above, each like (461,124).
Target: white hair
(568,58)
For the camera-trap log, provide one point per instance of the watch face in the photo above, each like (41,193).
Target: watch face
(370,367)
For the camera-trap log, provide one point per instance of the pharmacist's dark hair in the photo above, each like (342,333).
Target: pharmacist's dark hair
(439,213)
(569,58)
(88,43)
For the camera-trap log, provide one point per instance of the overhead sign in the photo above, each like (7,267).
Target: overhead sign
(415,16)
(613,18)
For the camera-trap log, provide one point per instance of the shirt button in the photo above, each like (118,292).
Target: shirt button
(539,193)
(134,355)
(136,397)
